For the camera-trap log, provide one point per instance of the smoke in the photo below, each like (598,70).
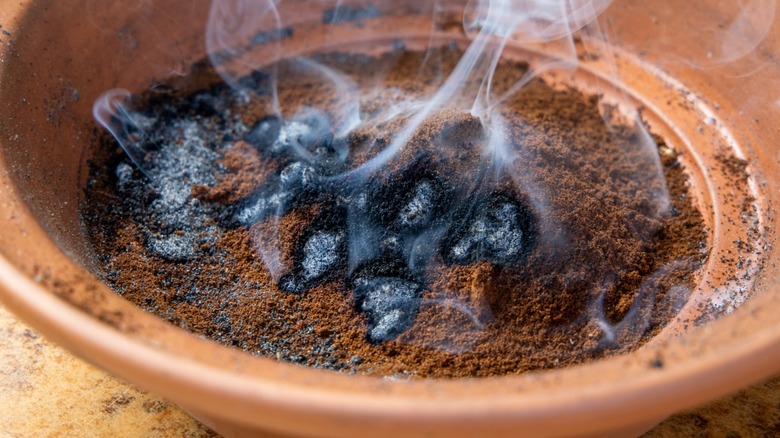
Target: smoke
(111,110)
(250,39)
(234,27)
(629,330)
(729,35)
(744,32)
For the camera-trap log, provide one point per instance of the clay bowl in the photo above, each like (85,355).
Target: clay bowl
(710,89)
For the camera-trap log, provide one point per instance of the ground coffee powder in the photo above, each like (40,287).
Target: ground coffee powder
(565,252)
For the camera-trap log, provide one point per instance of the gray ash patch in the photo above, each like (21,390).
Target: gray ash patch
(320,253)
(390,304)
(499,231)
(343,14)
(267,202)
(378,235)
(420,209)
(298,181)
(177,144)
(176,224)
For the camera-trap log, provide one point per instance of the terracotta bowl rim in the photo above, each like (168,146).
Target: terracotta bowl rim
(714,373)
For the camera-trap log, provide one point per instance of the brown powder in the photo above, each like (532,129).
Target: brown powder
(245,170)
(604,251)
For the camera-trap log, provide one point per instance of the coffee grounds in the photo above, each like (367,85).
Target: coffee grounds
(590,260)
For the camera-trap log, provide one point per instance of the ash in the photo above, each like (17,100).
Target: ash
(176,225)
(419,211)
(179,140)
(320,253)
(376,236)
(390,304)
(494,234)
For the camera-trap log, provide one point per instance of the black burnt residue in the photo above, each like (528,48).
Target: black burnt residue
(308,152)
(499,230)
(306,137)
(344,14)
(409,202)
(377,233)
(390,303)
(474,247)
(271,36)
(320,253)
(388,228)
(264,133)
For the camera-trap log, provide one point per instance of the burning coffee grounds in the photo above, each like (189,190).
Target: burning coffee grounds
(349,232)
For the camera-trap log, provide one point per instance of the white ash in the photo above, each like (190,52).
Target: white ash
(320,253)
(278,194)
(124,176)
(182,161)
(494,235)
(420,209)
(298,176)
(306,137)
(264,204)
(390,325)
(295,136)
(176,224)
(390,303)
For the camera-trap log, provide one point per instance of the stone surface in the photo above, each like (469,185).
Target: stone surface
(45,391)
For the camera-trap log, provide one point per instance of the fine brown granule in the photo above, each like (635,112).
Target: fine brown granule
(607,251)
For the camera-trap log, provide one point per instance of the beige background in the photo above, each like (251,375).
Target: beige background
(47,392)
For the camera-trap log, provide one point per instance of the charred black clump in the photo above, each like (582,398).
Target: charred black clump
(307,151)
(378,233)
(342,14)
(390,303)
(499,229)
(306,137)
(320,254)
(333,211)
(297,184)
(264,133)
(400,224)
